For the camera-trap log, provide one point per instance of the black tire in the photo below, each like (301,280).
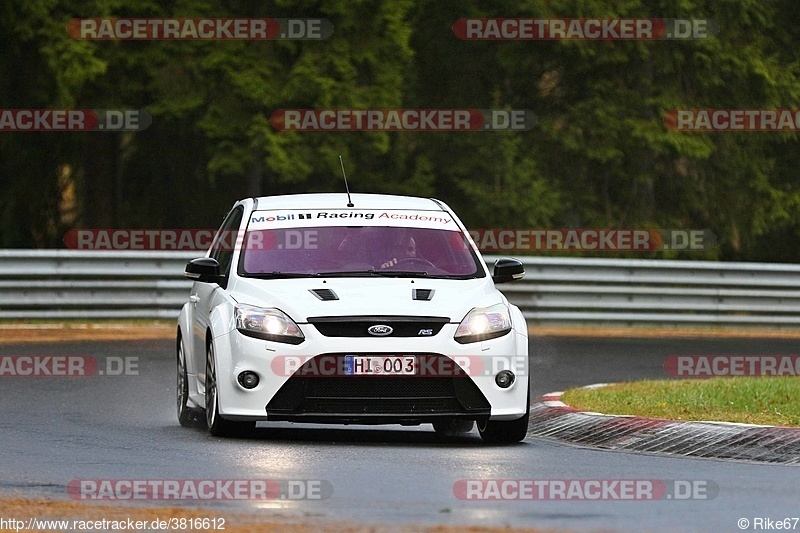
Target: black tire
(453,426)
(187,415)
(218,426)
(506,431)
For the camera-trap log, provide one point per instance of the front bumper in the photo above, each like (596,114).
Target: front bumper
(312,396)
(285,394)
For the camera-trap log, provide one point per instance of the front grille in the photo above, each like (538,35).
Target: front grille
(371,387)
(390,397)
(352,326)
(381,406)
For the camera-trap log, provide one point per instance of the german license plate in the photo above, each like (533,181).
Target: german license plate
(380,365)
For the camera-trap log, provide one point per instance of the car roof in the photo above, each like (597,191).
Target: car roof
(339,201)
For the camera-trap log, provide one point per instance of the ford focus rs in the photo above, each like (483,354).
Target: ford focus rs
(370,309)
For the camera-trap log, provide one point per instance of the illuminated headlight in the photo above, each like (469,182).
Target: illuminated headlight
(482,324)
(268,324)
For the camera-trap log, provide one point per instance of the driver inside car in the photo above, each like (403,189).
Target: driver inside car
(407,248)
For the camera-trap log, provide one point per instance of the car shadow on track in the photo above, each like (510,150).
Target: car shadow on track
(284,432)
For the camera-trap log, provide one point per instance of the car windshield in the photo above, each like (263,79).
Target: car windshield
(357,251)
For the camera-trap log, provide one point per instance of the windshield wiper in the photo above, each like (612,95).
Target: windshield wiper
(399,273)
(276,274)
(346,273)
(373,272)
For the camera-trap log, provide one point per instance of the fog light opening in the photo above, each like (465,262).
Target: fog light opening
(504,379)
(248,380)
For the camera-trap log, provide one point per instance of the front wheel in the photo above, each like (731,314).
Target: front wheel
(506,431)
(218,426)
(187,416)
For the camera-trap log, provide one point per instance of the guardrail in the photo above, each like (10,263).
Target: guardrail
(84,284)
(79,284)
(658,292)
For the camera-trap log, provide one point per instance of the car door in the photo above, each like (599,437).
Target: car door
(204,295)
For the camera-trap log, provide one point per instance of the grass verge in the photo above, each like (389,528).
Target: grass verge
(654,332)
(75,331)
(769,401)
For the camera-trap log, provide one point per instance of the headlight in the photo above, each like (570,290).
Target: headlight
(268,324)
(485,323)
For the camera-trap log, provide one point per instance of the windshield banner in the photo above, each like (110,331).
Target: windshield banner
(306,218)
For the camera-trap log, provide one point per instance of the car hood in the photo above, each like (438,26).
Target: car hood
(371,296)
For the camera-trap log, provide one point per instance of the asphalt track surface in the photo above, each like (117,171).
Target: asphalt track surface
(54,430)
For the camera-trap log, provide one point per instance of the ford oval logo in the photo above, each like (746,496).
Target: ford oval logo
(380,330)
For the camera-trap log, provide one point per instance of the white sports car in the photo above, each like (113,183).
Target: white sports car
(374,309)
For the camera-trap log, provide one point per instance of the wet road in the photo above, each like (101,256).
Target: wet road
(55,430)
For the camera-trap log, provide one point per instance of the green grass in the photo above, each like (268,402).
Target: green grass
(752,400)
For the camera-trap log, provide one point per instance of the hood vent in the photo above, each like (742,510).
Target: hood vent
(422,294)
(324,294)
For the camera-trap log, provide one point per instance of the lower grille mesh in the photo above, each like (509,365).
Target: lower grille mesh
(377,395)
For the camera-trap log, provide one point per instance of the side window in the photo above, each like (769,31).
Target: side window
(222,249)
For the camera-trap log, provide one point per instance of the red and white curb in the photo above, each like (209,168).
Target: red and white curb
(552,418)
(553,399)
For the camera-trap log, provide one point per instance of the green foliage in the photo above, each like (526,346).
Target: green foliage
(600,155)
(768,400)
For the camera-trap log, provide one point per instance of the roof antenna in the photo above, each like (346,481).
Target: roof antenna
(349,201)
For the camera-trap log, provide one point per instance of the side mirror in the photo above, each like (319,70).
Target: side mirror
(506,270)
(203,269)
